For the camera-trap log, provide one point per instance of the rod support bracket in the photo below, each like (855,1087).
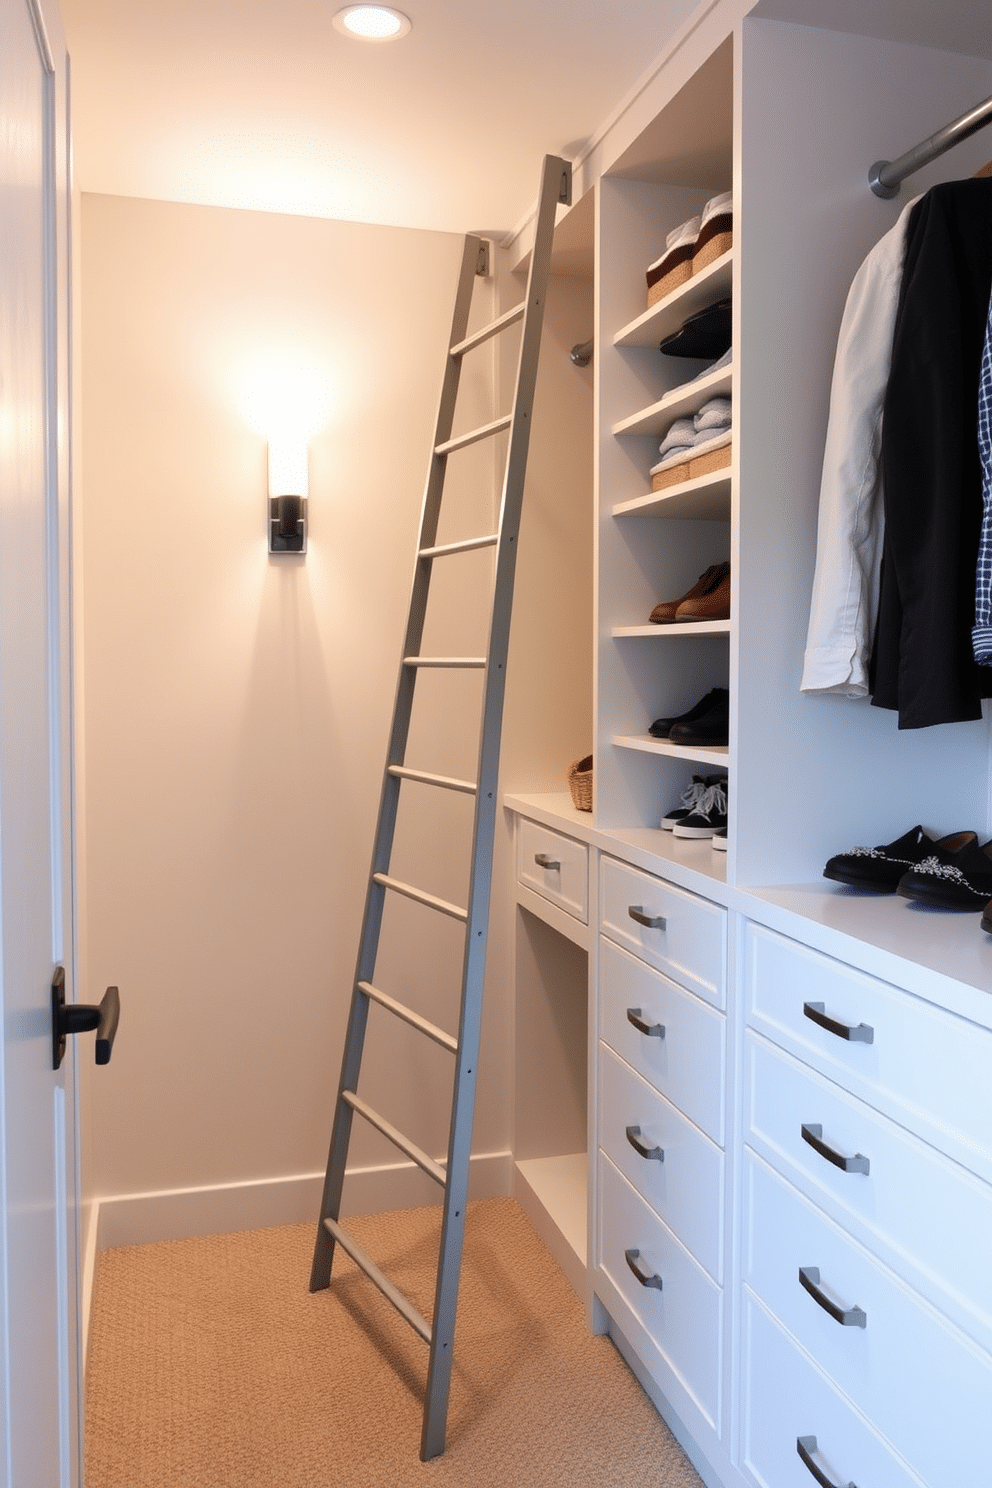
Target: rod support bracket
(878,185)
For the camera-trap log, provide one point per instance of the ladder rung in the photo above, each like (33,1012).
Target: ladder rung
(447,782)
(421,897)
(417,1154)
(444,661)
(409,1016)
(469,545)
(492,329)
(485,431)
(394,1295)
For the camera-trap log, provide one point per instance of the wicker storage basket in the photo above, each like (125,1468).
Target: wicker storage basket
(680,274)
(713,460)
(714,248)
(673,475)
(579,777)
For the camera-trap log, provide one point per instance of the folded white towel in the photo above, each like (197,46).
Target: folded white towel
(714,414)
(682,455)
(717,206)
(680,436)
(686,232)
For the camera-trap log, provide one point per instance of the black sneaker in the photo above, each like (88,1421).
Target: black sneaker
(709,816)
(959,880)
(691,797)
(881,868)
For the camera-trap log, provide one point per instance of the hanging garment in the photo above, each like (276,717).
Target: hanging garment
(981,634)
(850,524)
(922,662)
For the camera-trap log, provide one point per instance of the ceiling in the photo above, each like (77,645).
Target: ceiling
(263,104)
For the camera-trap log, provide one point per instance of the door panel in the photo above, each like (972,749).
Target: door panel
(36,1119)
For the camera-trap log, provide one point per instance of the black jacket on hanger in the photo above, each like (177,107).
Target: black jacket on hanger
(922,661)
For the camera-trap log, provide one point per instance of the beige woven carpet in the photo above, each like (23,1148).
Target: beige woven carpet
(212,1366)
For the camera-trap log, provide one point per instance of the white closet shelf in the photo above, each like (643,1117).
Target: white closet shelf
(714,754)
(705,499)
(688,397)
(677,628)
(705,288)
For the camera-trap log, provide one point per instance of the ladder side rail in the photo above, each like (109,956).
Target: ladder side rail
(555,188)
(330,1205)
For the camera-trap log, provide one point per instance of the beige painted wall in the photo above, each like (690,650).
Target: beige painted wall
(236,706)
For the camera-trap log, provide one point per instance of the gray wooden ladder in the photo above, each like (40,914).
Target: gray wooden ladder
(452,1175)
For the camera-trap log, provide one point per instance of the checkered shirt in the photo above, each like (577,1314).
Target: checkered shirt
(981,635)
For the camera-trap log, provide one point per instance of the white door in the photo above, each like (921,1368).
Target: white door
(39,1415)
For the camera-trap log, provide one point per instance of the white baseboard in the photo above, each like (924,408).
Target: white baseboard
(181,1214)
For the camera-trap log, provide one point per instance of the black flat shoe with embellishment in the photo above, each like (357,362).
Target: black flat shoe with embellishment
(881,868)
(958,880)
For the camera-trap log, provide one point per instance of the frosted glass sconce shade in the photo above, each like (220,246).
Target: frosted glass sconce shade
(289,488)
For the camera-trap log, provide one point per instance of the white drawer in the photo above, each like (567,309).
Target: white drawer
(924,1386)
(675,1301)
(688,942)
(788,1400)
(687,1064)
(926,1068)
(930,1219)
(554,866)
(684,1185)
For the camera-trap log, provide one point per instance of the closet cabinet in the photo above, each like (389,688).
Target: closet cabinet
(866,1210)
(813,1178)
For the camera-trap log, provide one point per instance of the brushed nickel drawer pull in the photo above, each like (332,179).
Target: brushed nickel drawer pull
(856,1033)
(848,1317)
(544,861)
(806,1446)
(651,1030)
(645,1277)
(641,1147)
(653,922)
(812,1132)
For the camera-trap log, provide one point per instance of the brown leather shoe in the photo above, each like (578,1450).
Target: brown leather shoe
(666,612)
(714,604)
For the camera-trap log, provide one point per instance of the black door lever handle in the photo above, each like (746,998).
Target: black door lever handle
(79,1017)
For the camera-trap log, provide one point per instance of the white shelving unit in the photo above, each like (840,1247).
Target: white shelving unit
(773,102)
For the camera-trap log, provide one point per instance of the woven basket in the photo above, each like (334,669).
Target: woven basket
(579,777)
(714,248)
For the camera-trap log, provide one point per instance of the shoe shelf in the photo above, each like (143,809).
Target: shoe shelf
(668,315)
(672,632)
(686,398)
(703,499)
(710,754)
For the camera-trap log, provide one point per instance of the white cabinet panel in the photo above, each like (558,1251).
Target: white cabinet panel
(923,1385)
(678,933)
(925,1067)
(686,1063)
(667,1159)
(788,1400)
(674,1300)
(554,866)
(930,1218)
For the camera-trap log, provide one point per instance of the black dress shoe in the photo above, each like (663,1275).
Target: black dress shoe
(881,868)
(662,727)
(709,727)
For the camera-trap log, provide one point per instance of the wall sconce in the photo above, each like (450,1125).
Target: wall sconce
(289,487)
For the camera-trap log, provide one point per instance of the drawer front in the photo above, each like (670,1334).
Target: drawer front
(930,1219)
(688,942)
(788,1400)
(926,1068)
(682,1315)
(922,1384)
(687,1064)
(554,866)
(665,1157)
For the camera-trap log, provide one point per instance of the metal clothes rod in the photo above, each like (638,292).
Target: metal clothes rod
(885,175)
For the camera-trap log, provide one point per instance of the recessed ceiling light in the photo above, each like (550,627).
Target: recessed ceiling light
(372,22)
